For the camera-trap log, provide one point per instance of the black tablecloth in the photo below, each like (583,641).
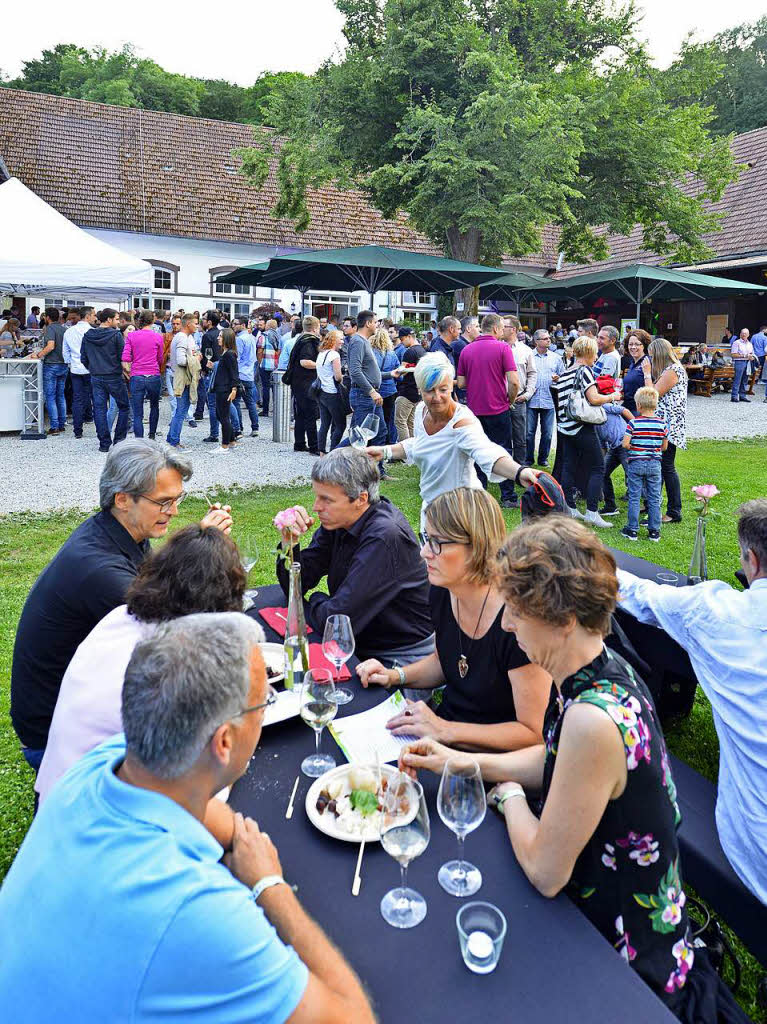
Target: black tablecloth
(673,680)
(554,967)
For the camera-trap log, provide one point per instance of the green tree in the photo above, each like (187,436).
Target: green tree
(44,74)
(738,92)
(264,91)
(484,120)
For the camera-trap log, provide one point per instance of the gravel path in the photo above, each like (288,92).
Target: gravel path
(61,473)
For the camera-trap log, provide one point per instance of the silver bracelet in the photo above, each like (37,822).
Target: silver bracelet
(401,673)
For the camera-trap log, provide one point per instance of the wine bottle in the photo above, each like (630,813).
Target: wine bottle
(296,647)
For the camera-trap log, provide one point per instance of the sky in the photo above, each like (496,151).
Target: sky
(253,36)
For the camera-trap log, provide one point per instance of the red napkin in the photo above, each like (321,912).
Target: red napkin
(271,618)
(318,660)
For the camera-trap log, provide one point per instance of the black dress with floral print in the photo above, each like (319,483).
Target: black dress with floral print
(626,880)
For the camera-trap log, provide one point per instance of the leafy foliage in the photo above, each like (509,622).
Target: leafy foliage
(485,120)
(127,80)
(737,92)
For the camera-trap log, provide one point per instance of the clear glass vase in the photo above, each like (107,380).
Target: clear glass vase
(698,563)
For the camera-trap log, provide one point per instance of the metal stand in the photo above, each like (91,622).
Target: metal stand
(282,400)
(31,372)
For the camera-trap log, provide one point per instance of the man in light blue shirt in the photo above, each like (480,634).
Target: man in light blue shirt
(118,908)
(540,407)
(724,631)
(246,357)
(759,345)
(287,348)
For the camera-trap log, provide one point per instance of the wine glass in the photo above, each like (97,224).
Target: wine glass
(461,804)
(338,647)
(248,548)
(405,835)
(370,426)
(317,709)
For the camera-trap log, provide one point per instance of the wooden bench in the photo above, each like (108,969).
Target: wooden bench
(705,865)
(711,380)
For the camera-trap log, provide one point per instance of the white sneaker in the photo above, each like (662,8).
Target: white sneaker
(222,451)
(596,520)
(574,513)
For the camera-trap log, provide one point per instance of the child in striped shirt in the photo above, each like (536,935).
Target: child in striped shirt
(646,439)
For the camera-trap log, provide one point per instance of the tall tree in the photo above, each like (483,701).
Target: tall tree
(486,119)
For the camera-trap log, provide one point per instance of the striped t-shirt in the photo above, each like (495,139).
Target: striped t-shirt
(574,377)
(647,435)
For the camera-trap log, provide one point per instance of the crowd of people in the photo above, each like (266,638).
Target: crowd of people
(134,744)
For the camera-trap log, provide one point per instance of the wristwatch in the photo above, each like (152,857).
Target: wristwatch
(507,796)
(265,883)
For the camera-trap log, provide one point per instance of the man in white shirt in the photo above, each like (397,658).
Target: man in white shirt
(527,372)
(724,631)
(82,408)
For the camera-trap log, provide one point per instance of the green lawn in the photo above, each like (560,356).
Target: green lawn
(28,542)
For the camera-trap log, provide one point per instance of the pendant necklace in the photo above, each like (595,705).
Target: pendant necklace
(463,663)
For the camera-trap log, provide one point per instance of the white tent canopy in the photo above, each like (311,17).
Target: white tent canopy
(47,253)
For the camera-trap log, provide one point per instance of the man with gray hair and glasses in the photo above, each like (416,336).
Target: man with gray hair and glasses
(367,550)
(121,846)
(140,489)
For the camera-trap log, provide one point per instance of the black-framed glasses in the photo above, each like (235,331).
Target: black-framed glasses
(435,544)
(166,506)
(271,698)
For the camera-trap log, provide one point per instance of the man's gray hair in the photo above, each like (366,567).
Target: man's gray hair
(541,333)
(352,471)
(447,322)
(178,691)
(611,332)
(466,320)
(132,467)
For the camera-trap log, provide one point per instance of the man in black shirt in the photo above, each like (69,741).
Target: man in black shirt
(303,360)
(140,489)
(367,550)
(210,346)
(54,370)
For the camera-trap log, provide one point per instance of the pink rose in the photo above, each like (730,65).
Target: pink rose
(285,518)
(704,492)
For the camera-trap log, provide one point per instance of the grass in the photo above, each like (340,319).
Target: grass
(29,541)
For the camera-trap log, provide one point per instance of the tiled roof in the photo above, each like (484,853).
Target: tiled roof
(743,206)
(167,174)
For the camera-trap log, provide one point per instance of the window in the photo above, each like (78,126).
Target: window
(418,299)
(218,287)
(163,279)
(224,307)
(418,315)
(164,275)
(141,303)
(222,288)
(162,304)
(324,305)
(242,309)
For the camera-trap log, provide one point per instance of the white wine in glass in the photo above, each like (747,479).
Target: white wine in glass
(405,833)
(461,804)
(317,709)
(338,647)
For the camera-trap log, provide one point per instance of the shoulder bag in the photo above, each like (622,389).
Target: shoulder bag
(579,407)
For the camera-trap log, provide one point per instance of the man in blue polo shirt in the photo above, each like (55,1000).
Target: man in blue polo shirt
(246,358)
(118,907)
(759,344)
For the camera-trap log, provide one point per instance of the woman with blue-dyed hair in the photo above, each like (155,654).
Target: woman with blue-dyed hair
(448,438)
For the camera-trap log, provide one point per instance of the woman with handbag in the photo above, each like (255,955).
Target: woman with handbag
(224,384)
(578,414)
(326,389)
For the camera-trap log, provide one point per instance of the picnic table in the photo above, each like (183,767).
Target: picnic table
(554,964)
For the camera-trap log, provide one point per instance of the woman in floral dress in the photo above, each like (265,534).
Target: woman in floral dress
(607,826)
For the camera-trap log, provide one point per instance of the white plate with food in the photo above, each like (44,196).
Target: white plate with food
(344,803)
(274,659)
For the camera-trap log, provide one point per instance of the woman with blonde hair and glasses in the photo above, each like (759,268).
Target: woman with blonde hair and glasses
(669,379)
(606,832)
(494,699)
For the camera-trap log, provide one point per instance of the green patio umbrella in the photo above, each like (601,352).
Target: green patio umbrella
(639,282)
(370,268)
(518,285)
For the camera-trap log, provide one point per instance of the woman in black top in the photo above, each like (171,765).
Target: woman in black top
(607,828)
(494,699)
(225,386)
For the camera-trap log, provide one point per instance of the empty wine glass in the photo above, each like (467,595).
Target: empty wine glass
(461,804)
(338,647)
(317,709)
(248,548)
(405,835)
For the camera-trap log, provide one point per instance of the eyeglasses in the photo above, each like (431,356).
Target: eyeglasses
(271,698)
(435,544)
(165,506)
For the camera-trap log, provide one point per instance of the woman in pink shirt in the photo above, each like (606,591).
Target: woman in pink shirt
(742,353)
(141,359)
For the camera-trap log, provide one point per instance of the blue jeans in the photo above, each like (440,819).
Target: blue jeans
(546,419)
(103,388)
(54,379)
(212,416)
(266,389)
(202,396)
(740,378)
(169,388)
(150,387)
(498,429)
(177,423)
(34,758)
(644,474)
(81,400)
(250,394)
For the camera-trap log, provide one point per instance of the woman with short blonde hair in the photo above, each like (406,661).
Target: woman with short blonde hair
(669,378)
(494,699)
